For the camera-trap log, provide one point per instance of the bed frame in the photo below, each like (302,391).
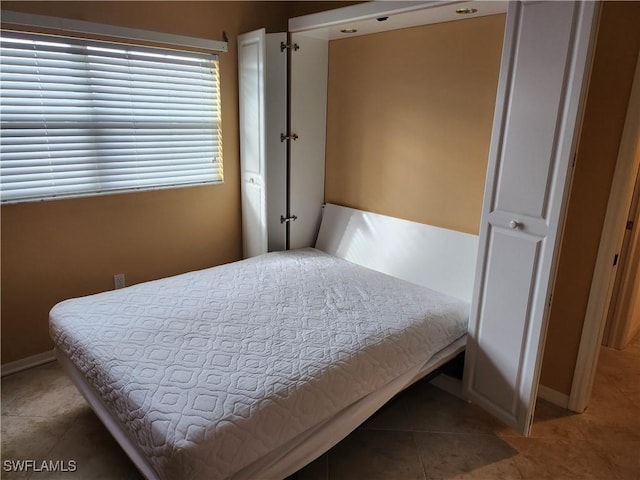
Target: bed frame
(437,258)
(434,257)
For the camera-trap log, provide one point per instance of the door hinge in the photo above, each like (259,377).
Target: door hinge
(284,219)
(284,137)
(615,259)
(629,225)
(287,46)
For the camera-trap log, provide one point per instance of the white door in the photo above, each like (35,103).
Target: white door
(545,62)
(276,109)
(308,110)
(251,91)
(262,83)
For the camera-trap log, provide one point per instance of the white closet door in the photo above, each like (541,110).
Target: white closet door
(251,85)
(308,110)
(276,150)
(545,62)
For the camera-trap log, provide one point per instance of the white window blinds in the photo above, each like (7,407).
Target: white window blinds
(82,117)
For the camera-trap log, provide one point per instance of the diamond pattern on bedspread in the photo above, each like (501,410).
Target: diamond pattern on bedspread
(208,371)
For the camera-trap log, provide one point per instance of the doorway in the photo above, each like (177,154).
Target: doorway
(623,318)
(615,260)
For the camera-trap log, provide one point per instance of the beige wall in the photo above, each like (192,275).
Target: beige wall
(616,52)
(409,121)
(59,249)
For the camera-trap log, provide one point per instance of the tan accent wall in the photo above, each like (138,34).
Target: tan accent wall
(59,249)
(409,121)
(617,46)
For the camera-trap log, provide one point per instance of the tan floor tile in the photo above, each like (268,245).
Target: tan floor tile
(555,422)
(609,406)
(31,438)
(392,416)
(23,383)
(94,451)
(44,391)
(7,395)
(457,456)
(376,455)
(618,447)
(621,369)
(433,410)
(559,459)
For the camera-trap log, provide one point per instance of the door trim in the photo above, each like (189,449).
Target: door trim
(251,93)
(604,273)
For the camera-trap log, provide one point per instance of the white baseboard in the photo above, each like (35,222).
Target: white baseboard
(553,396)
(29,362)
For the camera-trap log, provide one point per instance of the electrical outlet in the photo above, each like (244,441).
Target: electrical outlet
(118,281)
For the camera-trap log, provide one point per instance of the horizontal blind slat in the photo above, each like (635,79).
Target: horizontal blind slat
(121,144)
(79,120)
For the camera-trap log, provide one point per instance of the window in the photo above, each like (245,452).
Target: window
(80,117)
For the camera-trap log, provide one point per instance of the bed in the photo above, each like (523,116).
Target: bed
(253,369)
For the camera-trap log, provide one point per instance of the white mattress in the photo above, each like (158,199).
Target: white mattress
(210,371)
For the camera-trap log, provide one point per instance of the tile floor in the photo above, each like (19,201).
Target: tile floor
(424,433)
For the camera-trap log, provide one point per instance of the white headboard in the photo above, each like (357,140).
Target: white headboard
(441,259)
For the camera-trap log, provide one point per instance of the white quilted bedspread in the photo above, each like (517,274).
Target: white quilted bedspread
(210,370)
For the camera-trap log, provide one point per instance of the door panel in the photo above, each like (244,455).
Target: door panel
(308,112)
(252,217)
(499,343)
(545,63)
(276,150)
(536,95)
(251,84)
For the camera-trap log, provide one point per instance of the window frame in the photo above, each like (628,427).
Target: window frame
(215,134)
